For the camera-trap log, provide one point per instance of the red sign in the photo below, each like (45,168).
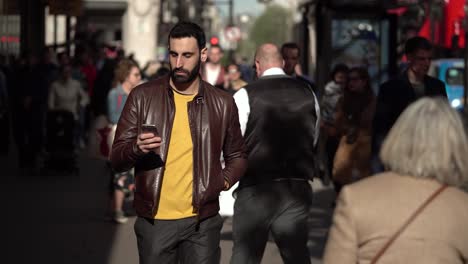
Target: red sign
(449,27)
(9,39)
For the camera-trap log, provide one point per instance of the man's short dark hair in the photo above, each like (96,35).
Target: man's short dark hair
(186,30)
(290,45)
(417,43)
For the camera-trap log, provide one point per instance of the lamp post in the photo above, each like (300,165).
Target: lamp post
(230,3)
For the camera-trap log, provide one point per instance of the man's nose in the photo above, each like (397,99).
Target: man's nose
(180,62)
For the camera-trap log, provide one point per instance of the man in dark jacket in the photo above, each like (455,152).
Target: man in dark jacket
(280,117)
(395,95)
(173,131)
(291,55)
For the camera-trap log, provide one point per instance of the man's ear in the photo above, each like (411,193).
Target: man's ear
(204,54)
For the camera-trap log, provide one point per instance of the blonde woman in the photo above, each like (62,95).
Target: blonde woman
(427,148)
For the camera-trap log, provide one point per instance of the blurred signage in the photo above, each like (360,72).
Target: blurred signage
(232,33)
(9,39)
(10,7)
(69,7)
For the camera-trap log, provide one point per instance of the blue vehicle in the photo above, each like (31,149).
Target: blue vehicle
(451,72)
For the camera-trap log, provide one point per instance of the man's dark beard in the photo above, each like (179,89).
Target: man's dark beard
(190,75)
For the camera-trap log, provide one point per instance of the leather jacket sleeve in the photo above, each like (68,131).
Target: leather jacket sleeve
(234,149)
(125,151)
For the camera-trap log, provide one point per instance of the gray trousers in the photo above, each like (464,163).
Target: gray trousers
(281,208)
(179,241)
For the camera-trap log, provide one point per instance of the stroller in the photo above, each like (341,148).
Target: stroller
(60,146)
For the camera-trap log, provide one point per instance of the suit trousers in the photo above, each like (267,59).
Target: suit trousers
(179,241)
(281,208)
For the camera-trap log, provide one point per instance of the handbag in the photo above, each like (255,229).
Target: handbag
(407,223)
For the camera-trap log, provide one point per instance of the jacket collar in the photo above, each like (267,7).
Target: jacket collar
(201,85)
(404,77)
(273,71)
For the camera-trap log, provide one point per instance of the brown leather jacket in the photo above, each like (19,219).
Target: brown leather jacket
(214,125)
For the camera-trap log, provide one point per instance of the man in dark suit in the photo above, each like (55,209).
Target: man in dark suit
(396,94)
(291,55)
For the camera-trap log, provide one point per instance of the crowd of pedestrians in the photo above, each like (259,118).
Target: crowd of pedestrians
(271,143)
(176,134)
(33,86)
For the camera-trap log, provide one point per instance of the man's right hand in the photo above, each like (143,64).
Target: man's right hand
(147,142)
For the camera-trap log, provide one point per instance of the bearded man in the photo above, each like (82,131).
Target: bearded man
(173,131)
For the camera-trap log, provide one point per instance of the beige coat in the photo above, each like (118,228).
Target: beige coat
(368,213)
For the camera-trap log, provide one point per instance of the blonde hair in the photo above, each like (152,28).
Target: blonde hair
(428,141)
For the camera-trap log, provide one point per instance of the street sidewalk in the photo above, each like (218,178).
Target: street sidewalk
(60,219)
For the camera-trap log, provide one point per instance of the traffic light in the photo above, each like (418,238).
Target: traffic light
(214,41)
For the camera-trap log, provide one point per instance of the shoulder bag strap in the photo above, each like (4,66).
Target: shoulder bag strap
(407,223)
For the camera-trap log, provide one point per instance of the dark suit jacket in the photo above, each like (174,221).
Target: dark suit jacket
(393,98)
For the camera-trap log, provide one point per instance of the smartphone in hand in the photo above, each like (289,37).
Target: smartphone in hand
(152,159)
(149,128)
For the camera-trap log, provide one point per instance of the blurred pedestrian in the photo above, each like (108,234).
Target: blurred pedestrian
(425,153)
(395,95)
(28,100)
(355,111)
(103,84)
(329,138)
(173,131)
(292,54)
(67,94)
(280,117)
(213,71)
(246,70)
(234,79)
(333,92)
(127,76)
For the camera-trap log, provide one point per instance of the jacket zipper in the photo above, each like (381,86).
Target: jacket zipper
(193,110)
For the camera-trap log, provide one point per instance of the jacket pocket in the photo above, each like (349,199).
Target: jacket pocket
(142,206)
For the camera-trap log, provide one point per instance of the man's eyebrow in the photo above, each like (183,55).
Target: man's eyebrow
(183,54)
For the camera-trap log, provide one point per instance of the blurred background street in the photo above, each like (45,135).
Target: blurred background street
(53,148)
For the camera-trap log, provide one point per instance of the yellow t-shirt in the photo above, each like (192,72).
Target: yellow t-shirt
(175,201)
